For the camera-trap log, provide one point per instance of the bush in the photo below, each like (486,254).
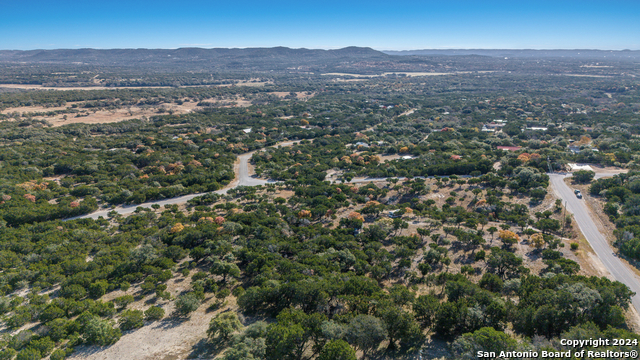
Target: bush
(7,354)
(574,246)
(130,319)
(583,176)
(154,313)
(98,288)
(186,304)
(44,345)
(337,350)
(224,325)
(59,354)
(123,301)
(100,332)
(29,354)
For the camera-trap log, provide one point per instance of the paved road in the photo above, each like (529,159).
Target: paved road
(598,242)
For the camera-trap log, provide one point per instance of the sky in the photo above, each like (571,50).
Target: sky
(330,24)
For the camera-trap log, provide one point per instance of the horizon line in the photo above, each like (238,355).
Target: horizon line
(186,46)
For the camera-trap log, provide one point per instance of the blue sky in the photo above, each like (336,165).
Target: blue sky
(383,25)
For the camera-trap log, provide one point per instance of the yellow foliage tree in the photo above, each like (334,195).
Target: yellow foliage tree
(508,236)
(404,149)
(524,157)
(537,240)
(355,216)
(177,228)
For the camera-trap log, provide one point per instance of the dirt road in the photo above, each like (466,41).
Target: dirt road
(243,178)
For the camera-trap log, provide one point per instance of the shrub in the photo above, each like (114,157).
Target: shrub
(59,354)
(130,319)
(100,332)
(186,304)
(123,301)
(224,325)
(29,354)
(574,246)
(154,313)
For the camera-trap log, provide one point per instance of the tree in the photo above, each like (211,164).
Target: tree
(123,301)
(248,349)
(503,263)
(366,332)
(401,325)
(547,225)
(153,313)
(337,350)
(491,231)
(130,319)
(224,325)
(538,240)
(508,237)
(98,288)
(491,282)
(225,269)
(486,339)
(285,342)
(425,309)
(100,332)
(29,354)
(187,303)
(583,176)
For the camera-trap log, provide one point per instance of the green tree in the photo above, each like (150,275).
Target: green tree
(131,319)
(425,309)
(366,332)
(486,339)
(154,313)
(29,354)
(100,332)
(503,263)
(285,342)
(583,176)
(187,303)
(224,325)
(337,350)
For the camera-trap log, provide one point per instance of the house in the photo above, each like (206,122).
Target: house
(536,128)
(246,131)
(363,144)
(455,157)
(574,149)
(509,148)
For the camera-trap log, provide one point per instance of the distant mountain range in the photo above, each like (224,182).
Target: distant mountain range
(217,58)
(524,53)
(361,60)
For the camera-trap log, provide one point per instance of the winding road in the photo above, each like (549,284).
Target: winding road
(243,178)
(596,239)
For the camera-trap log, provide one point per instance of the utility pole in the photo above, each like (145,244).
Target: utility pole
(564,216)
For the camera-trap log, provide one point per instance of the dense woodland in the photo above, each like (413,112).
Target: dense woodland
(456,243)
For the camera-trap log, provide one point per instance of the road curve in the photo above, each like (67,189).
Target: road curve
(597,240)
(243,179)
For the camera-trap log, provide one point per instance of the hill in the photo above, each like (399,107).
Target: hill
(217,58)
(526,53)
